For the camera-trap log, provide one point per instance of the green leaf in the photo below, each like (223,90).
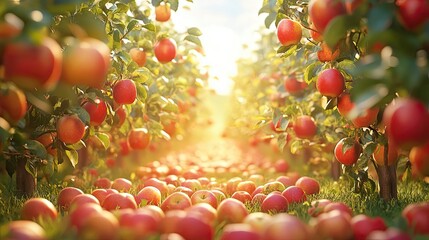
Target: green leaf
(150,26)
(142,75)
(174,4)
(194,31)
(121,7)
(104,139)
(270,19)
(311,71)
(380,17)
(132,24)
(337,29)
(36,148)
(289,51)
(141,92)
(193,39)
(31,168)
(82,114)
(72,156)
(156,2)
(295,146)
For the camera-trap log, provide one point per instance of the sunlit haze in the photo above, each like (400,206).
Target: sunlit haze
(226,26)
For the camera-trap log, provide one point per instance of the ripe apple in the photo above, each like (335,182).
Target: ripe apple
(231,185)
(281,166)
(163,12)
(338,206)
(330,82)
(78,214)
(286,181)
(185,190)
(33,66)
(417,217)
(141,223)
(99,225)
(220,196)
(364,225)
(304,127)
(407,122)
(169,224)
(239,231)
(86,62)
(419,158)
(192,184)
(165,50)
(289,32)
(25,230)
(97,111)
(139,138)
(294,194)
(392,155)
(204,196)
(70,129)
(13,104)
(308,184)
(138,56)
(247,186)
(116,201)
(36,208)
(83,199)
(321,12)
(413,13)
(231,210)
(258,221)
(66,195)
(176,200)
(47,139)
(194,228)
(124,91)
(285,227)
(326,54)
(333,225)
(274,203)
(317,207)
(242,196)
(314,34)
(346,154)
(101,194)
(149,195)
(121,115)
(273,186)
(102,183)
(122,184)
(203,210)
(345,105)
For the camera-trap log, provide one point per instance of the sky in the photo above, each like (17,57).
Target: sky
(226,25)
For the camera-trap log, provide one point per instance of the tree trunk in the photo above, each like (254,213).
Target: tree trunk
(25,182)
(335,169)
(387,179)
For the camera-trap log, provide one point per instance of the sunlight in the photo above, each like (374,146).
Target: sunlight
(226,27)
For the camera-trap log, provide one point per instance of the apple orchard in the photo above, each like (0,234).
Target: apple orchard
(105,123)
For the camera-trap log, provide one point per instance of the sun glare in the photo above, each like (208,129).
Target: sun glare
(224,33)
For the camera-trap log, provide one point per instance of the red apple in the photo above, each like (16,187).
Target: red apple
(419,158)
(204,196)
(231,210)
(165,50)
(330,82)
(24,230)
(294,194)
(364,225)
(308,184)
(417,217)
(138,56)
(101,194)
(281,166)
(86,62)
(274,203)
(317,207)
(148,196)
(139,138)
(242,196)
(389,234)
(413,13)
(82,199)
(116,201)
(349,154)
(162,12)
(124,91)
(333,225)
(239,231)
(70,129)
(122,184)
(203,210)
(176,200)
(270,187)
(66,195)
(102,183)
(193,228)
(285,227)
(305,127)
(322,12)
(258,221)
(97,111)
(338,206)
(37,208)
(99,225)
(33,66)
(289,32)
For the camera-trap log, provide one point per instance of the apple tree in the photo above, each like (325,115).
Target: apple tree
(365,61)
(79,79)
